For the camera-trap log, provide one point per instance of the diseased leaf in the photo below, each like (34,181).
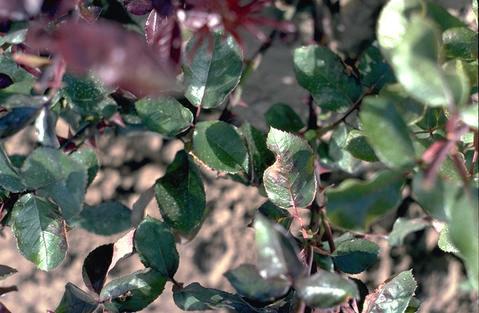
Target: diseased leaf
(382,125)
(95,267)
(6,271)
(321,72)
(75,300)
(403,227)
(220,147)
(57,175)
(325,289)
(277,254)
(156,247)
(132,292)
(250,284)
(195,297)
(9,177)
(164,115)
(181,196)
(281,116)
(107,218)
(213,70)
(354,204)
(290,181)
(39,231)
(393,296)
(258,154)
(355,255)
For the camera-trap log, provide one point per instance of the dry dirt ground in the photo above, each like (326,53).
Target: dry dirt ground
(224,241)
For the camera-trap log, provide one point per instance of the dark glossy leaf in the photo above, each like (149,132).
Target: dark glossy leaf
(382,125)
(355,255)
(213,71)
(117,57)
(464,232)
(219,146)
(325,289)
(107,218)
(195,297)
(16,119)
(460,42)
(39,231)
(276,214)
(321,72)
(248,283)
(164,115)
(277,253)
(403,227)
(164,35)
(9,177)
(375,71)
(156,247)
(57,175)
(355,204)
(290,181)
(181,196)
(283,117)
(95,267)
(393,296)
(87,157)
(75,300)
(133,292)
(6,271)
(358,146)
(259,155)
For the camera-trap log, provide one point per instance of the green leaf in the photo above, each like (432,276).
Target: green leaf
(133,292)
(470,115)
(383,125)
(276,214)
(16,33)
(460,42)
(57,175)
(375,71)
(75,300)
(437,200)
(277,254)
(106,219)
(283,117)
(22,80)
(6,271)
(338,153)
(321,72)
(195,297)
(16,119)
(393,296)
(87,95)
(164,115)
(180,195)
(213,70)
(358,146)
(354,204)
(445,244)
(464,232)
(248,283)
(87,157)
(40,231)
(9,178)
(355,255)
(325,289)
(220,147)
(156,247)
(410,110)
(441,16)
(259,155)
(403,227)
(290,181)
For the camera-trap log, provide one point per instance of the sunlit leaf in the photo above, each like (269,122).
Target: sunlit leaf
(460,42)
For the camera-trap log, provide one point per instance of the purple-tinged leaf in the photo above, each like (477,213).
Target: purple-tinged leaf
(5,81)
(164,35)
(138,7)
(95,267)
